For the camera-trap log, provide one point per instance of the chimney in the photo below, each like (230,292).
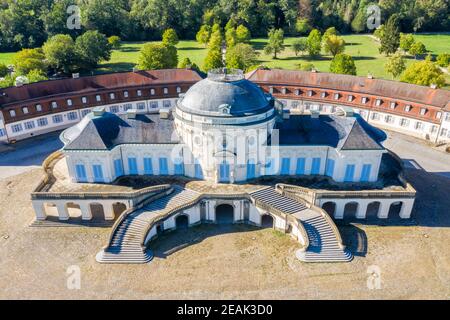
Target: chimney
(433,86)
(75,75)
(131,113)
(369,76)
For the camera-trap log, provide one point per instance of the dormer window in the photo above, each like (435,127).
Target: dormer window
(310,93)
(25,110)
(336,96)
(112,96)
(98,98)
(423,111)
(125,94)
(378,102)
(69,102)
(54,105)
(408,108)
(323,95)
(271,90)
(297,92)
(225,108)
(139,93)
(283,90)
(166,90)
(364,100)
(393,105)
(350,98)
(152,92)
(84,100)
(178,89)
(12,113)
(438,115)
(38,107)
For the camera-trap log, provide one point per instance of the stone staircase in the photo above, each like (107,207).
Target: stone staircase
(323,243)
(126,245)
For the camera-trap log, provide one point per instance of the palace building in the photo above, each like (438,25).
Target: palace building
(153,151)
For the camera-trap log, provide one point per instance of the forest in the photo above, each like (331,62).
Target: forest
(29,23)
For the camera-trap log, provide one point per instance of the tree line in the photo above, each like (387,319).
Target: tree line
(29,23)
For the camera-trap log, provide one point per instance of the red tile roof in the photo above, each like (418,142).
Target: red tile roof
(96,83)
(377,87)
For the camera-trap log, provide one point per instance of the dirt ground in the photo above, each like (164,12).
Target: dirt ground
(210,262)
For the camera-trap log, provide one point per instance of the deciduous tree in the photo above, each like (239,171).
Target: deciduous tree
(343,64)
(395,65)
(276,42)
(424,73)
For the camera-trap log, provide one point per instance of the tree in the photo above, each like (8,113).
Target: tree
(305,66)
(170,37)
(36,76)
(302,26)
(276,42)
(314,43)
(3,70)
(231,37)
(215,41)
(115,42)
(242,34)
(334,45)
(299,46)
(395,65)
(417,49)
(231,24)
(379,32)
(91,48)
(406,41)
(29,59)
(157,56)
(424,73)
(390,38)
(213,59)
(241,56)
(343,64)
(186,63)
(443,59)
(328,33)
(203,34)
(59,51)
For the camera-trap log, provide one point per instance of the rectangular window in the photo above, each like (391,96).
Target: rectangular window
(25,110)
(408,108)
(98,98)
(141,106)
(85,112)
(179,167)
(139,93)
(315,167)
(12,113)
(84,100)
(29,125)
(349,173)
(38,108)
(336,96)
(80,170)
(350,98)
(152,92)
(54,105)
(154,104)
(69,102)
(114,109)
(330,168)
(98,173)
(16,128)
(447,116)
(404,122)
(300,170)
(132,166)
(285,166)
(178,89)
(125,94)
(118,167)
(112,96)
(438,115)
(2,132)
(127,106)
(298,92)
(57,118)
(166,91)
(167,103)
(163,166)
(251,169)
(419,126)
(42,122)
(375,116)
(393,105)
(364,100)
(423,111)
(148,166)
(365,173)
(72,116)
(378,102)
(443,132)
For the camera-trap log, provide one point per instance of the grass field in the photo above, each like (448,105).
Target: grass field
(363,48)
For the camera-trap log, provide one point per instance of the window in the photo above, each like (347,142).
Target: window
(433,129)
(16,128)
(127,106)
(419,126)
(294,104)
(198,170)
(378,102)
(297,92)
(443,132)
(349,173)
(329,171)
(375,116)
(251,169)
(114,109)
(365,172)
(336,96)
(25,110)
(315,167)
(364,100)
(125,94)
(423,111)
(112,96)
(132,166)
(42,122)
(285,166)
(179,167)
(118,167)
(69,102)
(393,105)
(270,167)
(404,122)
(438,115)
(141,106)
(350,98)
(283,90)
(166,90)
(323,95)
(84,100)
(139,93)
(80,170)
(148,167)
(29,125)
(408,108)
(54,105)
(38,108)
(300,169)
(85,112)
(12,113)
(98,98)
(57,118)
(163,166)
(310,93)
(154,104)
(2,132)
(167,103)
(152,92)
(72,116)
(447,116)
(388,119)
(271,90)
(98,173)
(178,89)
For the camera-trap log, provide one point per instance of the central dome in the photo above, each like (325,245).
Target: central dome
(225,93)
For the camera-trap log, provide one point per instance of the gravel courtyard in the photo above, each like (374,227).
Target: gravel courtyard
(233,262)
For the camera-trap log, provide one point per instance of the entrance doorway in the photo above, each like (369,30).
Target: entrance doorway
(182,222)
(224,214)
(224,172)
(267,221)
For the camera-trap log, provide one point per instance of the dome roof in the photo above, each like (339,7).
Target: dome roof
(225,96)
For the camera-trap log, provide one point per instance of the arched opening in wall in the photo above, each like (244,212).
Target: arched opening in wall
(118,209)
(267,221)
(98,213)
(329,207)
(224,214)
(394,210)
(160,229)
(182,221)
(51,210)
(73,210)
(372,210)
(350,210)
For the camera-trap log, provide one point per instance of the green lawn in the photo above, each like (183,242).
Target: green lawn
(363,48)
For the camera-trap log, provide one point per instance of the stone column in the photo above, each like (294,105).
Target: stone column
(405,212)
(39,211)
(109,211)
(362,210)
(86,211)
(383,211)
(339,211)
(62,211)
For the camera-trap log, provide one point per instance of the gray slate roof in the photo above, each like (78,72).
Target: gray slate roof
(107,131)
(344,133)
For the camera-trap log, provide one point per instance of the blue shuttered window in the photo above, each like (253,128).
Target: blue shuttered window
(349,173)
(270,167)
(285,166)
(132,166)
(300,169)
(118,167)
(179,167)
(251,169)
(163,167)
(81,173)
(198,170)
(330,168)
(98,173)
(224,172)
(315,167)
(365,173)
(148,166)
